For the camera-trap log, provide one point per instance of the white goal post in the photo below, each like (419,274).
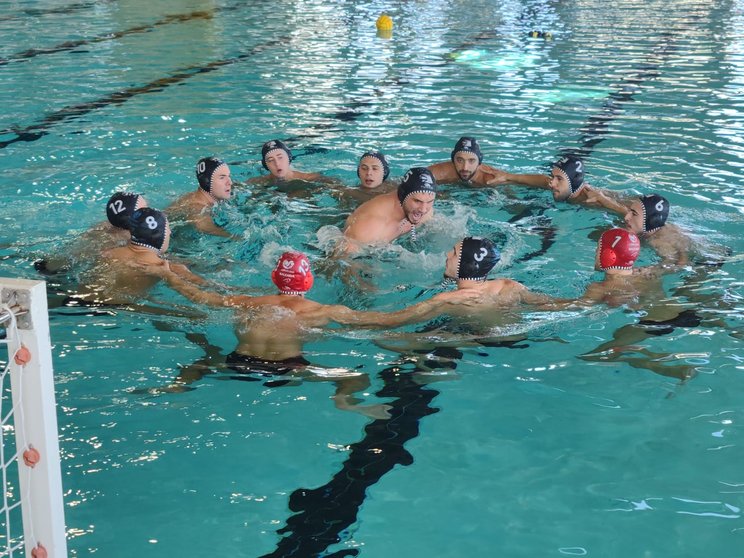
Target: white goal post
(30,462)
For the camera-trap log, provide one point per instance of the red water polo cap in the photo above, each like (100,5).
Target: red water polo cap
(618,249)
(292,274)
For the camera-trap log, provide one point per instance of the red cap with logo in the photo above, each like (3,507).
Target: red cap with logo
(292,274)
(618,249)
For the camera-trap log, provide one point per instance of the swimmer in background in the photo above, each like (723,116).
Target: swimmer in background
(272,330)
(388,216)
(465,165)
(373,171)
(215,186)
(566,182)
(103,236)
(125,274)
(277,158)
(638,289)
(478,304)
(647,216)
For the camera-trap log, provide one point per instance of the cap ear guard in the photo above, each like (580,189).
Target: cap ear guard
(149,228)
(607,258)
(477,258)
(205,170)
(655,211)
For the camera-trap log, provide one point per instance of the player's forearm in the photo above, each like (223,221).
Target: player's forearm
(532,180)
(192,292)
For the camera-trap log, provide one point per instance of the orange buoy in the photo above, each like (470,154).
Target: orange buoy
(31,456)
(22,356)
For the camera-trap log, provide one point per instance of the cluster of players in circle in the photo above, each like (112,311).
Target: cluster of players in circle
(131,247)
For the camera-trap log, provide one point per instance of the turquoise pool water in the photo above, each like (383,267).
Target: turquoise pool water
(521,451)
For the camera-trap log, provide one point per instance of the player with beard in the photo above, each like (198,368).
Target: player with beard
(465,165)
(566,183)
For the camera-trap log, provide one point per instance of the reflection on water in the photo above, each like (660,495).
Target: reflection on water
(568,416)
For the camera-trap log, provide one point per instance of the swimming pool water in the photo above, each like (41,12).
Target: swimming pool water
(515,451)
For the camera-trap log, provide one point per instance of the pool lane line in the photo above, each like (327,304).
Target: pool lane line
(35,12)
(321,515)
(71,45)
(345,113)
(596,128)
(71,112)
(36,131)
(353,109)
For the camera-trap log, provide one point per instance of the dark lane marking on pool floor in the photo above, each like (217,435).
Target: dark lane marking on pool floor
(71,45)
(322,515)
(61,10)
(40,129)
(33,132)
(597,127)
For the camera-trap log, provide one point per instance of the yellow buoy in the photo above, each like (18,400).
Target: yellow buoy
(384,23)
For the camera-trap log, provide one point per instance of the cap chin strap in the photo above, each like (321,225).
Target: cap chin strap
(413,227)
(156,250)
(479,279)
(209,192)
(447,280)
(579,189)
(645,221)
